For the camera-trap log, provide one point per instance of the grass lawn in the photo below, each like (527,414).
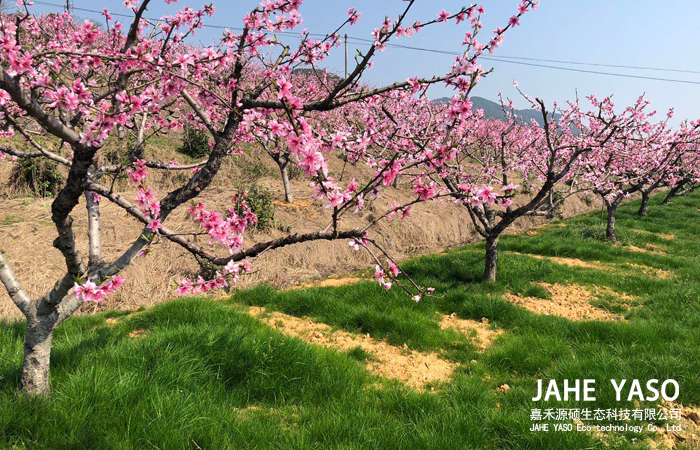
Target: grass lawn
(206,375)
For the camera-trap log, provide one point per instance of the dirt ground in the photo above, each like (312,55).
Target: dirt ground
(572,302)
(26,234)
(597,265)
(483,334)
(414,368)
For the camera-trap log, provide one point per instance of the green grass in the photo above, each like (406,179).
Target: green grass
(10,220)
(207,375)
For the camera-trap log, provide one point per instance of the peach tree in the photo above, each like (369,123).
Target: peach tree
(69,89)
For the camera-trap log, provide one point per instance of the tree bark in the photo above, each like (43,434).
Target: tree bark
(491,259)
(288,197)
(37,355)
(610,228)
(644,208)
(94,232)
(672,193)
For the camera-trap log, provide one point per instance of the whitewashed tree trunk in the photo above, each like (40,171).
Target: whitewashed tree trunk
(283,164)
(37,356)
(94,232)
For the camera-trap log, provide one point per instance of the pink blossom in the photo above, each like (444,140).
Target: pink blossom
(154,225)
(353,16)
(442,16)
(486,194)
(393,268)
(510,187)
(90,292)
(425,192)
(380,276)
(284,88)
(138,173)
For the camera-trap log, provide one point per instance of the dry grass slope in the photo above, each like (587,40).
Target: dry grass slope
(26,233)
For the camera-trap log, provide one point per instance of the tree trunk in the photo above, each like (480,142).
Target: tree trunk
(610,229)
(283,163)
(37,355)
(644,208)
(94,233)
(672,193)
(491,259)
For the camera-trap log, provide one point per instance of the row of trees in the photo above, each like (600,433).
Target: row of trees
(72,91)
(502,170)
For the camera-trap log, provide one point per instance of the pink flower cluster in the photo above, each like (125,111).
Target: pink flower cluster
(90,292)
(382,278)
(226,231)
(145,197)
(232,271)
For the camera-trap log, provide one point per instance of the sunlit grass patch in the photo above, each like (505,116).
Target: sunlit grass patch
(208,373)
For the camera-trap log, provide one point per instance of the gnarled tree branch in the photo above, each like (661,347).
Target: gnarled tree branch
(8,278)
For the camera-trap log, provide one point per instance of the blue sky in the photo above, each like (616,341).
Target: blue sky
(624,32)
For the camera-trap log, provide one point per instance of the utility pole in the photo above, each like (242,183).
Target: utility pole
(69,7)
(346,56)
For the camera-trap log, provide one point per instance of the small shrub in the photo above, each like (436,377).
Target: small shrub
(558,200)
(256,169)
(37,175)
(282,227)
(174,177)
(259,200)
(10,220)
(595,232)
(195,143)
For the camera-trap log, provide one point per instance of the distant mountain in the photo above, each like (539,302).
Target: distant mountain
(493,109)
(330,76)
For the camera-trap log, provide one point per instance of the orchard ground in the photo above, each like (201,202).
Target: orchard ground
(27,231)
(206,374)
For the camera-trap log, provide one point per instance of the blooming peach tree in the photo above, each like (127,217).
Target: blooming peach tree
(684,172)
(687,178)
(497,170)
(644,156)
(70,90)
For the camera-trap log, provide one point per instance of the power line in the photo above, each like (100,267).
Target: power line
(600,64)
(452,53)
(569,69)
(518,60)
(501,59)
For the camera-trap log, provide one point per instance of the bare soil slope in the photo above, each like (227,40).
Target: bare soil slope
(26,233)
